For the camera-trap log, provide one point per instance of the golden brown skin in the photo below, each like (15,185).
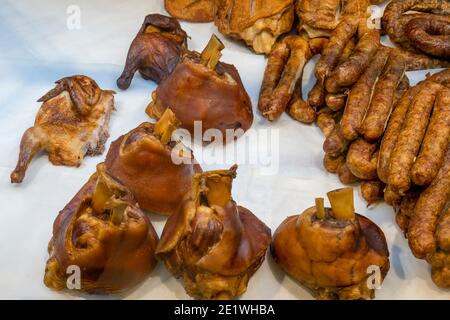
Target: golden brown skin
(155,51)
(372,190)
(411,136)
(358,100)
(416,61)
(192,10)
(362,159)
(103,232)
(72,122)
(145,166)
(336,101)
(392,197)
(422,228)
(430,36)
(383,98)
(196,92)
(257,22)
(318,14)
(393,19)
(214,245)
(329,256)
(435,142)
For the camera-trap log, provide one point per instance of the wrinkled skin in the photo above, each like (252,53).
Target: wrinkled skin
(329,256)
(72,122)
(196,92)
(430,36)
(155,51)
(144,164)
(257,22)
(114,252)
(212,244)
(192,10)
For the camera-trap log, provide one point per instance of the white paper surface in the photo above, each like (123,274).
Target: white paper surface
(37,48)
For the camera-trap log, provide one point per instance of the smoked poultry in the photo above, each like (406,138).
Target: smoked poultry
(73,121)
(257,22)
(102,232)
(192,10)
(155,51)
(201,88)
(156,170)
(211,243)
(331,251)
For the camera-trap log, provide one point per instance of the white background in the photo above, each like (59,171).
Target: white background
(36,48)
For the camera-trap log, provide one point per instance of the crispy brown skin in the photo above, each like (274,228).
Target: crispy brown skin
(346,29)
(430,36)
(392,131)
(411,136)
(112,258)
(284,69)
(194,92)
(320,14)
(192,10)
(155,51)
(328,256)
(299,109)
(383,99)
(440,259)
(144,165)
(434,145)
(359,97)
(422,228)
(362,159)
(349,71)
(393,20)
(372,190)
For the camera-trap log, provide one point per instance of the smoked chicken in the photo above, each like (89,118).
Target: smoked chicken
(257,22)
(201,88)
(102,232)
(155,169)
(73,121)
(214,245)
(333,251)
(192,10)
(155,51)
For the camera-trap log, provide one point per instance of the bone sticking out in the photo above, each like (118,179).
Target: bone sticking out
(166,125)
(320,208)
(211,54)
(341,201)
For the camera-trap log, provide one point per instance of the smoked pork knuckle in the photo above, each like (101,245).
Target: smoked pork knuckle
(104,235)
(213,244)
(333,251)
